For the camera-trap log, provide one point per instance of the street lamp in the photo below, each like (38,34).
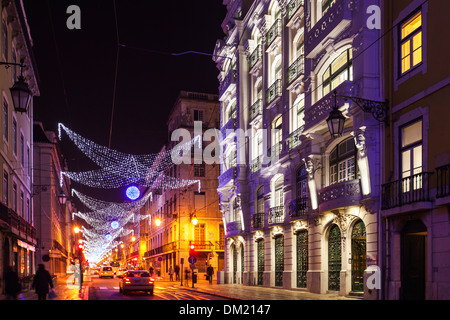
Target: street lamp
(336,119)
(62,198)
(76,230)
(194,219)
(20,92)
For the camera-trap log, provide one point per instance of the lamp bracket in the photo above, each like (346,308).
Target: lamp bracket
(379,110)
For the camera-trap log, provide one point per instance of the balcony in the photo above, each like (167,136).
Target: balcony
(258,221)
(228,84)
(255,59)
(320,110)
(17,225)
(226,177)
(273,92)
(300,208)
(332,24)
(234,228)
(256,111)
(256,164)
(273,36)
(294,138)
(338,195)
(406,192)
(293,11)
(295,72)
(276,215)
(228,130)
(443,181)
(274,152)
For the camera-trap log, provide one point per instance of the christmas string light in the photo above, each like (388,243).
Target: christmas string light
(120,169)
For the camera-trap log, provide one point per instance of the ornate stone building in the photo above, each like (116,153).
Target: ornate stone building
(300,205)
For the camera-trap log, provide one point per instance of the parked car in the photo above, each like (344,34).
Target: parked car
(136,280)
(106,272)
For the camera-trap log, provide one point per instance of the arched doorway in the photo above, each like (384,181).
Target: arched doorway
(358,256)
(235,257)
(334,258)
(413,265)
(260,262)
(279,260)
(302,258)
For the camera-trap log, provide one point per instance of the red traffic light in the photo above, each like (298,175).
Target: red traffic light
(80,247)
(192,250)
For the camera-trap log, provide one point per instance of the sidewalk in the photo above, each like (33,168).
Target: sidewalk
(243,292)
(63,287)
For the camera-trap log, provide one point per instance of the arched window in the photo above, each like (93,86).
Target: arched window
(342,162)
(337,72)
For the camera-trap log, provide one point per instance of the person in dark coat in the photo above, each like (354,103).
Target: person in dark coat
(210,273)
(41,282)
(12,285)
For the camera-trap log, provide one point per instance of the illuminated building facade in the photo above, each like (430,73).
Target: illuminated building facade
(300,206)
(184,216)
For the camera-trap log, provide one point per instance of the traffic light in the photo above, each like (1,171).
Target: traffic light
(80,251)
(192,250)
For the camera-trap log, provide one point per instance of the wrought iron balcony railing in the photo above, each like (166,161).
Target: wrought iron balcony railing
(256,109)
(256,164)
(276,215)
(443,181)
(292,8)
(273,33)
(406,191)
(294,138)
(274,91)
(300,207)
(229,80)
(255,57)
(296,69)
(258,220)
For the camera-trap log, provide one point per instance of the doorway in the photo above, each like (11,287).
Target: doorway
(413,266)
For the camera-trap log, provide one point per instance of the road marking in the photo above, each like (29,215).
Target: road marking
(116,288)
(103,288)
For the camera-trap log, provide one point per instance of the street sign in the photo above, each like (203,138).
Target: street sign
(160,259)
(192,265)
(192,259)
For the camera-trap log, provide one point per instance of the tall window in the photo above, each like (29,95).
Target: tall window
(199,233)
(14,136)
(279,193)
(411,149)
(22,150)
(5,40)
(198,115)
(199,170)
(411,43)
(5,188)
(338,71)
(14,197)
(5,119)
(260,200)
(342,162)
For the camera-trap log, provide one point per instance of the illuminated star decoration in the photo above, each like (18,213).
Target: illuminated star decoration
(120,169)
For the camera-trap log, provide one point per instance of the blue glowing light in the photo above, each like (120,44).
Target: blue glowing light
(108,237)
(133,193)
(114,224)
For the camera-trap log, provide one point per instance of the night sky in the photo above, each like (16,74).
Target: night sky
(77,67)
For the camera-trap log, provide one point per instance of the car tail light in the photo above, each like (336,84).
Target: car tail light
(151,280)
(127,281)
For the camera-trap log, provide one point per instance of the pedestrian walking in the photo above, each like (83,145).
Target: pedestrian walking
(150,271)
(177,273)
(41,282)
(12,285)
(210,273)
(171,273)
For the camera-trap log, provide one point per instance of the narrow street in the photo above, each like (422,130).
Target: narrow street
(108,289)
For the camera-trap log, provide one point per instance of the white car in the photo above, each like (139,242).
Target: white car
(120,273)
(136,280)
(106,272)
